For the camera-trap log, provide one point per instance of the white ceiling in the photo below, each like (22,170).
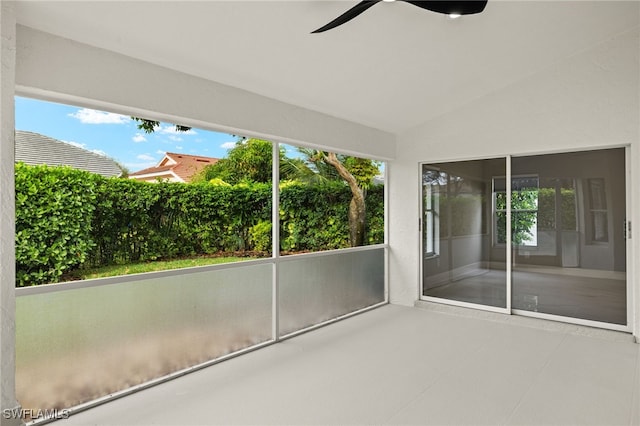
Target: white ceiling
(392,68)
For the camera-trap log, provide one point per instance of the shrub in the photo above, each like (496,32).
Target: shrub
(375,215)
(54,211)
(66,218)
(260,236)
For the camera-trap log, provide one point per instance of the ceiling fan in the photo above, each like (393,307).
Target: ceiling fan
(451,8)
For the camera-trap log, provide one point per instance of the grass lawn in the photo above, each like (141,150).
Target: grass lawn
(159,265)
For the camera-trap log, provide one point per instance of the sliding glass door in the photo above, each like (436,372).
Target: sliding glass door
(460,261)
(555,222)
(569,248)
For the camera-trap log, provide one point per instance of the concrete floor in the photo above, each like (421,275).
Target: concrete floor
(401,365)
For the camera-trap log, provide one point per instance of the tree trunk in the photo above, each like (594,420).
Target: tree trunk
(357,206)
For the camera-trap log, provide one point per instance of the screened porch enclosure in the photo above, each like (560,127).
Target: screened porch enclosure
(87,341)
(80,343)
(497,202)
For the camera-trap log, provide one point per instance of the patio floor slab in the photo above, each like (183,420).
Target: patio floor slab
(402,365)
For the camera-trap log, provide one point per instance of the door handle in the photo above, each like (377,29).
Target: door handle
(626,229)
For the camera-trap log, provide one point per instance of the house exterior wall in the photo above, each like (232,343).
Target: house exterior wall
(159,177)
(590,100)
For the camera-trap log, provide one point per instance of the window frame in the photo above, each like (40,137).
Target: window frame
(496,210)
(430,209)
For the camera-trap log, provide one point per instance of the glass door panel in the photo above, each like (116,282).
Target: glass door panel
(568,243)
(462,260)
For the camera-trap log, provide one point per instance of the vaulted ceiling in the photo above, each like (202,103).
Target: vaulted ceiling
(392,68)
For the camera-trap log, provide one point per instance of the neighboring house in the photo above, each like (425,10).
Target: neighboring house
(34,148)
(174,168)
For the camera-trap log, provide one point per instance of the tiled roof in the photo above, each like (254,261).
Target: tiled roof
(152,170)
(34,148)
(182,165)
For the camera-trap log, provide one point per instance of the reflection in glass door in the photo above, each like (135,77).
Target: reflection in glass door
(460,262)
(567,241)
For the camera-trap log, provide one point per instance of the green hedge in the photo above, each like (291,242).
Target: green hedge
(67,218)
(54,212)
(138,221)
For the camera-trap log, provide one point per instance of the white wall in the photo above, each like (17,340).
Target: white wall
(7,217)
(58,69)
(589,100)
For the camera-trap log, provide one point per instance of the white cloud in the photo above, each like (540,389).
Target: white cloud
(171,130)
(161,152)
(228,145)
(91,116)
(145,157)
(175,138)
(139,138)
(179,148)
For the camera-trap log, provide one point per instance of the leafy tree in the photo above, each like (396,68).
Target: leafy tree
(123,169)
(314,168)
(150,126)
(249,161)
(357,173)
(523,215)
(357,207)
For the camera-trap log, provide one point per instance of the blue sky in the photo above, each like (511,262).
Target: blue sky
(116,135)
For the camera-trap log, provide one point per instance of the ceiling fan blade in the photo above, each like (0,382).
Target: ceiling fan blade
(348,15)
(450,7)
